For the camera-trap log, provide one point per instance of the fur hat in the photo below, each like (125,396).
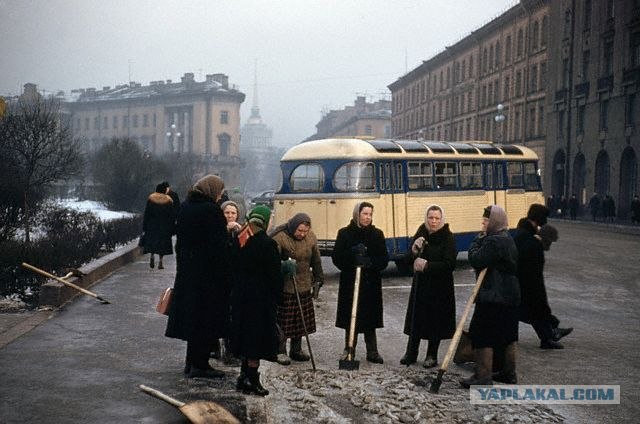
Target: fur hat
(211,186)
(538,213)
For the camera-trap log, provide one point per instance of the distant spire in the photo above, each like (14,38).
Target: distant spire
(255,109)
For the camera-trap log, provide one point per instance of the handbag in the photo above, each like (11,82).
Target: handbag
(165,301)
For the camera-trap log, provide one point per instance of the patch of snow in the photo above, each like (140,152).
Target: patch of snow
(96,207)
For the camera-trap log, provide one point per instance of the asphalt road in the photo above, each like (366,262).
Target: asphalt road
(85,363)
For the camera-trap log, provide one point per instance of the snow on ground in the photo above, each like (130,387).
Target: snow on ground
(96,207)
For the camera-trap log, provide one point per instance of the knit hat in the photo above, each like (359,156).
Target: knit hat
(260,216)
(211,186)
(538,213)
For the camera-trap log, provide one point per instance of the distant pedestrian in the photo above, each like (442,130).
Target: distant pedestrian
(297,242)
(635,210)
(158,225)
(174,196)
(256,294)
(563,207)
(609,208)
(199,312)
(594,205)
(573,207)
(431,313)
(361,244)
(494,325)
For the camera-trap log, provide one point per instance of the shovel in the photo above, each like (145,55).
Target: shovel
(349,363)
(65,282)
(435,384)
(199,411)
(304,325)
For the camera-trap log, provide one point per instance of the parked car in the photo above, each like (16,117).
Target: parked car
(264,198)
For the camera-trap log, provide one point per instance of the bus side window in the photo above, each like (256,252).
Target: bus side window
(307,177)
(420,175)
(446,175)
(470,175)
(355,176)
(531,176)
(488,168)
(514,174)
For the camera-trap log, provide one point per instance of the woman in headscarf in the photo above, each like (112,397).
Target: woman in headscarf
(256,293)
(494,326)
(431,313)
(361,244)
(231,213)
(158,225)
(199,312)
(297,241)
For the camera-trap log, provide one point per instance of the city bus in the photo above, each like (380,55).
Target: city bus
(326,178)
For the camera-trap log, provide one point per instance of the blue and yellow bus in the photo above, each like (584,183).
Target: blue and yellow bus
(326,178)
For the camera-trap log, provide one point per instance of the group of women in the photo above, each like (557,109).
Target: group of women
(254,290)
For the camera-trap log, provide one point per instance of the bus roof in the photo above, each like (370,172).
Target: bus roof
(369,148)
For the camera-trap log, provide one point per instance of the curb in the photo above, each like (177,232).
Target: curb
(55,294)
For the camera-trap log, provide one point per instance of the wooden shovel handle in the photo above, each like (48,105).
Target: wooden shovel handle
(456,336)
(65,282)
(158,394)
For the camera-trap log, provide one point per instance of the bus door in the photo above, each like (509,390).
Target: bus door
(394,206)
(495,184)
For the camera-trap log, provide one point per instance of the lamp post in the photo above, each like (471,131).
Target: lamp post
(499,118)
(173,136)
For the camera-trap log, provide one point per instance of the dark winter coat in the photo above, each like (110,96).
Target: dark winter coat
(158,224)
(435,309)
(256,293)
(200,306)
(176,200)
(534,304)
(369,316)
(495,317)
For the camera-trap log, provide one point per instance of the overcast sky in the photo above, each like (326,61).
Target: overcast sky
(311,55)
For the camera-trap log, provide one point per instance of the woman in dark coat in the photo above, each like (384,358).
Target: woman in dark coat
(256,292)
(158,225)
(361,244)
(199,311)
(494,325)
(431,313)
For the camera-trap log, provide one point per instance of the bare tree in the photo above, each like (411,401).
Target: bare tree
(37,148)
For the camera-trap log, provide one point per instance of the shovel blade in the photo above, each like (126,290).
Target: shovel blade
(207,412)
(349,365)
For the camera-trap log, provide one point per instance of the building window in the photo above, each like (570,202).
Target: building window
(561,124)
(484,60)
(86,123)
(125,121)
(541,130)
(604,115)
(581,116)
(114,122)
(532,121)
(518,83)
(471,66)
(224,117)
(516,125)
(135,121)
(634,50)
(565,73)
(543,33)
(586,16)
(607,57)
(533,79)
(631,109)
(535,35)
(154,120)
(105,123)
(507,83)
(464,69)
(78,126)
(145,120)
(96,123)
(520,44)
(491,63)
(585,65)
(367,130)
(497,62)
(507,50)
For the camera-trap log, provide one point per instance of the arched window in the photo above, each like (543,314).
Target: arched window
(628,180)
(601,182)
(579,178)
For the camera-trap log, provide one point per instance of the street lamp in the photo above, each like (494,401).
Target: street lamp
(499,118)
(173,135)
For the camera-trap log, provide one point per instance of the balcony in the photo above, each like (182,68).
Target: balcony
(605,83)
(581,89)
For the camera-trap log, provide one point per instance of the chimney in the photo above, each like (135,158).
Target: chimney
(222,79)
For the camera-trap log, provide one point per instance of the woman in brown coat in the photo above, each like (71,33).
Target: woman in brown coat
(296,241)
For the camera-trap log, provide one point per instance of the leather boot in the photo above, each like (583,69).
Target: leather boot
(228,357)
(482,377)
(252,383)
(431,360)
(411,355)
(152,262)
(240,383)
(508,373)
(160,265)
(295,352)
(371,341)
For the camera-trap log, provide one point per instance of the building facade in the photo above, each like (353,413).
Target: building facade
(593,135)
(165,117)
(566,74)
(361,119)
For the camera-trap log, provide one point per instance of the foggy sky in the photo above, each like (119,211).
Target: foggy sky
(312,55)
